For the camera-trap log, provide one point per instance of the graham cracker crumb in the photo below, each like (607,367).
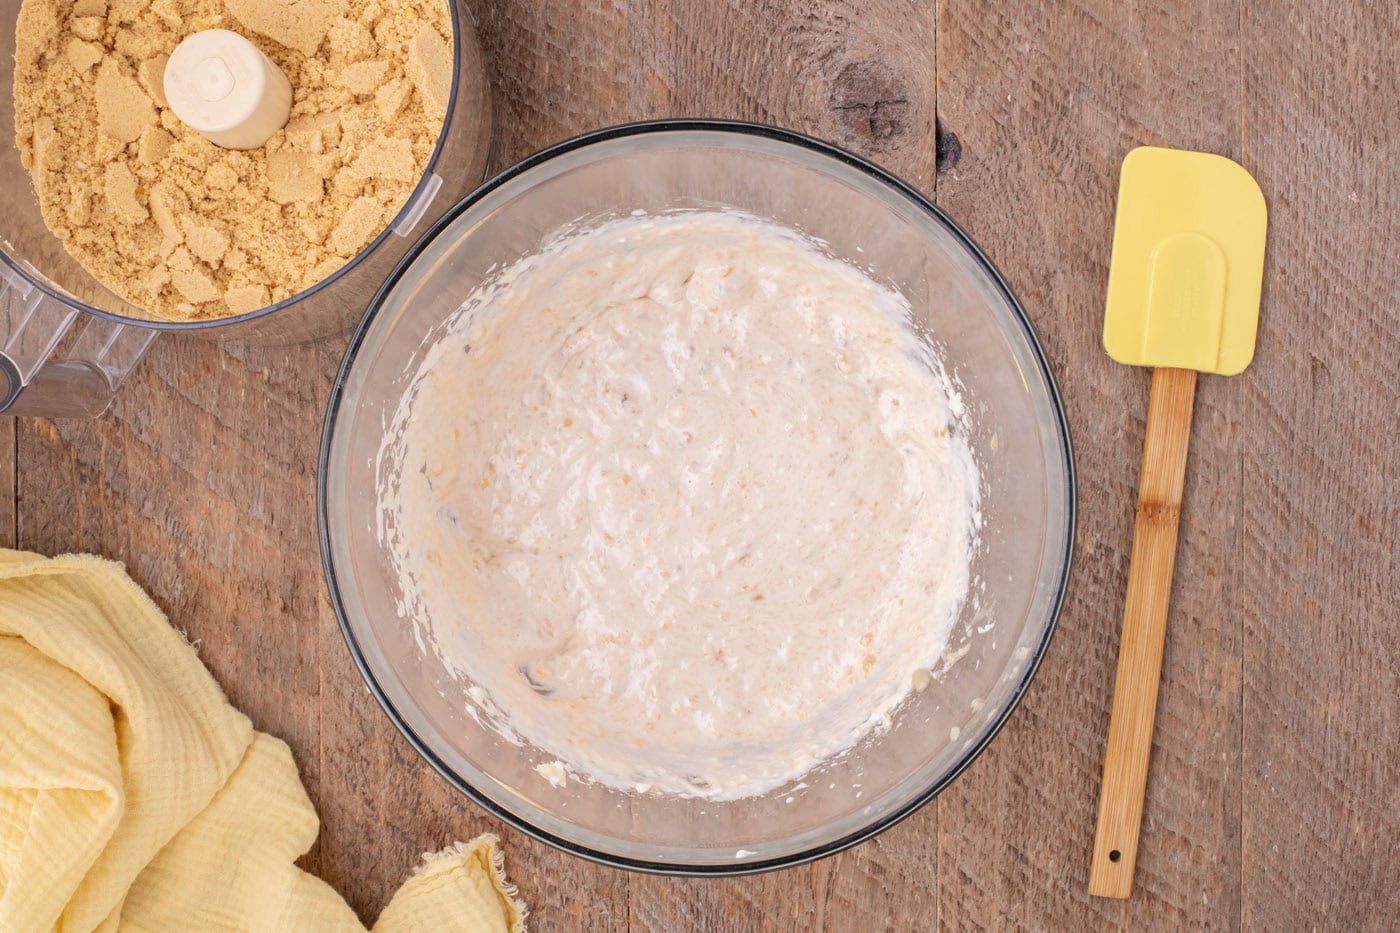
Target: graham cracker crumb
(43,154)
(328,268)
(363,78)
(152,75)
(123,109)
(352,39)
(391,98)
(208,243)
(430,70)
(385,158)
(168,12)
(154,280)
(79,208)
(244,299)
(362,221)
(186,230)
(126,11)
(120,187)
(153,146)
(143,45)
(163,211)
(221,177)
(82,55)
(297,24)
(35,32)
(304,133)
(292,177)
(195,285)
(88,27)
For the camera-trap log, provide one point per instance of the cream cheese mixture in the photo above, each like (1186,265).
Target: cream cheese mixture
(687,502)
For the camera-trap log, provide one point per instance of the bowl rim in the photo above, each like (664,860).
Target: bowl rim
(1061,425)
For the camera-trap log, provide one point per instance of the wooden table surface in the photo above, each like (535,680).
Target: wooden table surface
(1273,799)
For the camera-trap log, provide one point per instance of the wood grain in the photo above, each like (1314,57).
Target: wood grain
(860,73)
(1143,636)
(1281,659)
(1321,833)
(1046,99)
(9,505)
(887,884)
(199,479)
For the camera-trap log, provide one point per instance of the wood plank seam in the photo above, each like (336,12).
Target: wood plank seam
(9,535)
(939,888)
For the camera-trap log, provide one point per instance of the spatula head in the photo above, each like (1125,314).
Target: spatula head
(1188,260)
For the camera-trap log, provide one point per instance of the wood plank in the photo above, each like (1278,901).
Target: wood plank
(555,74)
(9,506)
(1046,99)
(859,73)
(199,480)
(202,476)
(887,884)
(1322,607)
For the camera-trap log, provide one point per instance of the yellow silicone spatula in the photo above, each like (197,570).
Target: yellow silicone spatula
(1183,297)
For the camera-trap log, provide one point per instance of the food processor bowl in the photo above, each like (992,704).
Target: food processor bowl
(67,342)
(859,213)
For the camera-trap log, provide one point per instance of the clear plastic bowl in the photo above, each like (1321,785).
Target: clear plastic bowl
(67,342)
(1019,433)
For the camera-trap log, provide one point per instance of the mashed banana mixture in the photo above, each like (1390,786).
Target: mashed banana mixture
(686,500)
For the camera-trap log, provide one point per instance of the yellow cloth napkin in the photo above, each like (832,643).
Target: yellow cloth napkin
(133,797)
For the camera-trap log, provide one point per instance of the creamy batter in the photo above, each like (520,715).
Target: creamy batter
(687,502)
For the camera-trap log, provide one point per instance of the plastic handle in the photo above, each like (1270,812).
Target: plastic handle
(57,362)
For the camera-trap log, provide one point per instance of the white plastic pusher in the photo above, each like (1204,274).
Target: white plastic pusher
(223,87)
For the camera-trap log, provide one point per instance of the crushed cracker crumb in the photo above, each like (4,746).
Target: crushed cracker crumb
(184,229)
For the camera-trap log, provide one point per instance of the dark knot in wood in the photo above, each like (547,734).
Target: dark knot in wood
(949,151)
(870,102)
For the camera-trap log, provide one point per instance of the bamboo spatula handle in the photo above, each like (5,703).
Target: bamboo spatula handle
(1144,631)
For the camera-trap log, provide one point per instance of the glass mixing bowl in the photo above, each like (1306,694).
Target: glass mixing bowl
(862,214)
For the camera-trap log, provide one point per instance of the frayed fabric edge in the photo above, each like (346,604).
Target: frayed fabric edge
(496,863)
